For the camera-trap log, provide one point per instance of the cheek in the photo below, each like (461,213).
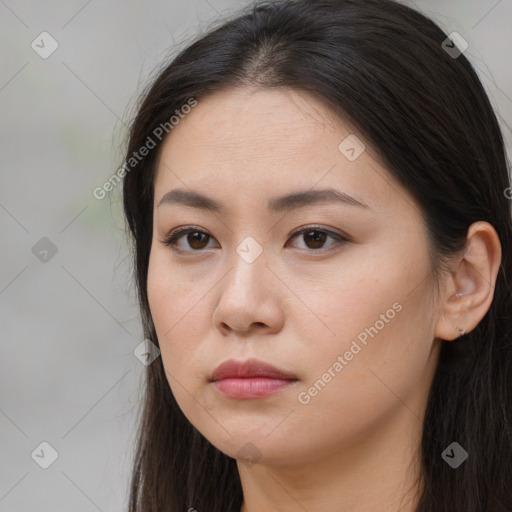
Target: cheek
(384,376)
(178,315)
(383,332)
(173,299)
(161,291)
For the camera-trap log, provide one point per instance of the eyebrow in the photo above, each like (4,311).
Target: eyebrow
(280,204)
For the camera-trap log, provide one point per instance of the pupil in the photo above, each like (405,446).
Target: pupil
(317,240)
(196,238)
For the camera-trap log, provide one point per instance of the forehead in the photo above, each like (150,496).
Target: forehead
(263,142)
(238,120)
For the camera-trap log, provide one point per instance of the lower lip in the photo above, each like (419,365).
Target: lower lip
(253,387)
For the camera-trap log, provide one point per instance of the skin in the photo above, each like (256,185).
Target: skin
(354,445)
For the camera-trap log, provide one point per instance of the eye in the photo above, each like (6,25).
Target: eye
(194,237)
(315,237)
(197,240)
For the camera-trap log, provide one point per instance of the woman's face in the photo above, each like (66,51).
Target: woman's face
(344,308)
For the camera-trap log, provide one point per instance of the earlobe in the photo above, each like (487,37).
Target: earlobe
(469,286)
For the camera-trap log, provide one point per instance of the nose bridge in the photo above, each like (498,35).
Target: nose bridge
(247,297)
(249,263)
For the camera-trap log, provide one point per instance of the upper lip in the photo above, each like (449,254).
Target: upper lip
(250,368)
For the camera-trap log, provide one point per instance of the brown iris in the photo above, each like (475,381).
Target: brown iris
(318,240)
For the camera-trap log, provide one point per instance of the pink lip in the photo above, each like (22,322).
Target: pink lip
(250,379)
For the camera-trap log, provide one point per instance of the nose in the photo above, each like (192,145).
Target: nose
(249,299)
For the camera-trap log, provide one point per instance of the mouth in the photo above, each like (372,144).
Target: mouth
(250,379)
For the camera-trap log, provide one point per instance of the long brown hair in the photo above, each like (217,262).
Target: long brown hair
(386,68)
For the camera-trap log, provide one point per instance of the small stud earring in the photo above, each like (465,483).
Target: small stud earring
(462,332)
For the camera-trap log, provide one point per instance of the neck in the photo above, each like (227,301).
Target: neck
(378,471)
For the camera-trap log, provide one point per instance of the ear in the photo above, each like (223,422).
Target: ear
(469,286)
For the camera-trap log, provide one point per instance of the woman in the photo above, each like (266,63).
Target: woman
(318,198)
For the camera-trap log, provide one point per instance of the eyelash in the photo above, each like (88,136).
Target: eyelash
(175,235)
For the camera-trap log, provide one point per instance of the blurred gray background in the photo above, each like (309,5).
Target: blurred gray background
(69,319)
